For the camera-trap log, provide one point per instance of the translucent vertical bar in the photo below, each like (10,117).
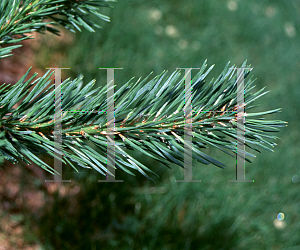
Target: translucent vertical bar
(58,128)
(188,153)
(240,160)
(188,173)
(110,127)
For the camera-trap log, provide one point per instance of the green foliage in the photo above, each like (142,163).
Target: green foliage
(153,127)
(21,17)
(212,214)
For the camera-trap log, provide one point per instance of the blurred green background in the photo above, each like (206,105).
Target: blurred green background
(157,35)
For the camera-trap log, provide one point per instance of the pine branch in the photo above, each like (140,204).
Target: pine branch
(18,18)
(149,114)
(149,118)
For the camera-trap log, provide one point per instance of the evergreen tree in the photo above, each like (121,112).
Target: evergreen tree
(149,114)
